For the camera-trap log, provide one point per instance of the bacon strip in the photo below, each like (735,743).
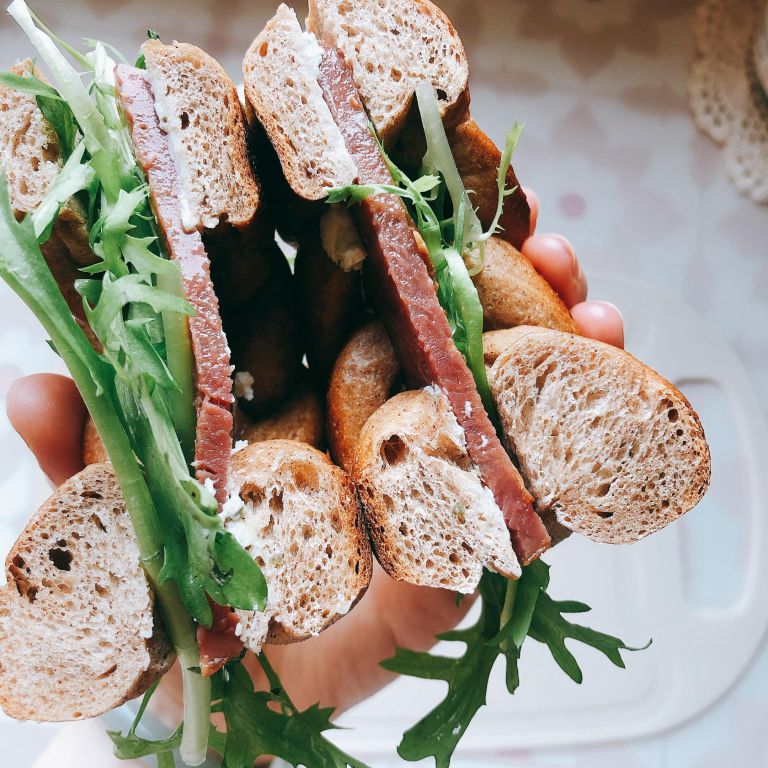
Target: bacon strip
(213,384)
(416,322)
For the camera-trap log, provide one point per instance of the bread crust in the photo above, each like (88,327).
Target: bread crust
(513,293)
(301,417)
(266,340)
(331,305)
(77,631)
(364,377)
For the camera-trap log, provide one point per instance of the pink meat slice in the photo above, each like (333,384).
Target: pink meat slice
(213,384)
(408,303)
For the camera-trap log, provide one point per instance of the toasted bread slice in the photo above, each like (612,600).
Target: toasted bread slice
(608,447)
(301,523)
(392,46)
(513,293)
(201,112)
(30,156)
(77,631)
(431,519)
(281,90)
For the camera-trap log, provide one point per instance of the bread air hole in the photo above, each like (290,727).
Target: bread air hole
(61,558)
(107,673)
(394,450)
(305,476)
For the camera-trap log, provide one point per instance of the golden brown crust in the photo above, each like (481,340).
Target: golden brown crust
(300,418)
(331,305)
(513,293)
(94,451)
(363,379)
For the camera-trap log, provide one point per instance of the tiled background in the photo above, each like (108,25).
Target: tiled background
(621,170)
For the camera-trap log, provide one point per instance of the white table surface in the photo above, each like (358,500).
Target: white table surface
(621,170)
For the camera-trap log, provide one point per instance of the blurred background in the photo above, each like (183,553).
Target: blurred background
(622,170)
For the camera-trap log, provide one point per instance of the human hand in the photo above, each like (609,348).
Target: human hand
(341,666)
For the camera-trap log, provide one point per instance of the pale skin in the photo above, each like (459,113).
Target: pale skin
(46,410)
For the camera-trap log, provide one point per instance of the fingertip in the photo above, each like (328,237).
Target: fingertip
(554,259)
(49,415)
(534,205)
(600,320)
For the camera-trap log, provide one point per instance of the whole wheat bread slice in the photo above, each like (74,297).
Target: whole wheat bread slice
(201,112)
(301,522)
(281,91)
(392,46)
(431,519)
(77,632)
(608,447)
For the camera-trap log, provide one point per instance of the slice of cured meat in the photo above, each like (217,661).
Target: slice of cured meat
(209,344)
(417,325)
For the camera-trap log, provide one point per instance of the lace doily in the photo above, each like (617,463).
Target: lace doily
(728,87)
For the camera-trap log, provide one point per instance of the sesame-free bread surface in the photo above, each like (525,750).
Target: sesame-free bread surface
(431,520)
(608,448)
(392,46)
(201,112)
(280,73)
(301,523)
(77,633)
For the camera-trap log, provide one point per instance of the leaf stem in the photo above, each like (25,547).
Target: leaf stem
(508,609)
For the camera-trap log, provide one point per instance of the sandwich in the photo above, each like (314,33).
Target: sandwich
(472,453)
(469,426)
(136,251)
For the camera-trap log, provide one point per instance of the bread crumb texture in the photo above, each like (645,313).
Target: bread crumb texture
(606,445)
(77,636)
(301,523)
(393,46)
(431,519)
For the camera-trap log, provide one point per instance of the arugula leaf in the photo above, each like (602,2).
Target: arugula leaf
(268,723)
(28,83)
(510,612)
(438,734)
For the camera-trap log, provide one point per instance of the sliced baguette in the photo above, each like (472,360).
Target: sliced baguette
(200,111)
(77,633)
(301,523)
(281,91)
(431,519)
(608,448)
(364,377)
(392,46)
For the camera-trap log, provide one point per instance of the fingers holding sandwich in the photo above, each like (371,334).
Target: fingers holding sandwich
(48,413)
